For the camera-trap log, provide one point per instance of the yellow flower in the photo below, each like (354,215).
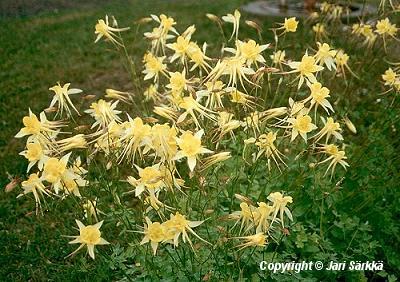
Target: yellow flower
(103,29)
(265,144)
(35,186)
(178,225)
(302,125)
(330,128)
(54,169)
(279,205)
(384,27)
(306,69)
(235,20)
(180,47)
(103,112)
(325,56)
(318,97)
(290,25)
(75,142)
(34,153)
(39,129)
(341,62)
(214,92)
(163,141)
(90,236)
(226,124)
(335,157)
(61,96)
(135,135)
(278,57)
(191,106)
(263,220)
(151,93)
(251,51)
(198,57)
(154,232)
(159,35)
(118,95)
(190,147)
(389,77)
(257,240)
(177,82)
(319,29)
(247,216)
(235,68)
(153,66)
(151,179)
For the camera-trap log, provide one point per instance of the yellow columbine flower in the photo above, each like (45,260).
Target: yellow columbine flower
(104,113)
(177,82)
(180,47)
(75,142)
(257,240)
(61,96)
(159,35)
(330,128)
(136,134)
(320,30)
(264,215)
(34,153)
(151,179)
(198,57)
(265,144)
(153,66)
(163,141)
(118,95)
(235,20)
(247,216)
(278,57)
(251,51)
(279,203)
(39,130)
(318,97)
(290,25)
(54,170)
(342,62)
(335,157)
(90,236)
(302,125)
(385,27)
(191,106)
(389,77)
(306,69)
(103,29)
(190,147)
(235,68)
(214,92)
(178,225)
(154,232)
(35,186)
(325,56)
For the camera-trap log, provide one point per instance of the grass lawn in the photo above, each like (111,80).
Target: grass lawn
(45,45)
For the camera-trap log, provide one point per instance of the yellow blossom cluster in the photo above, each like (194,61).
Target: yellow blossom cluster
(199,105)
